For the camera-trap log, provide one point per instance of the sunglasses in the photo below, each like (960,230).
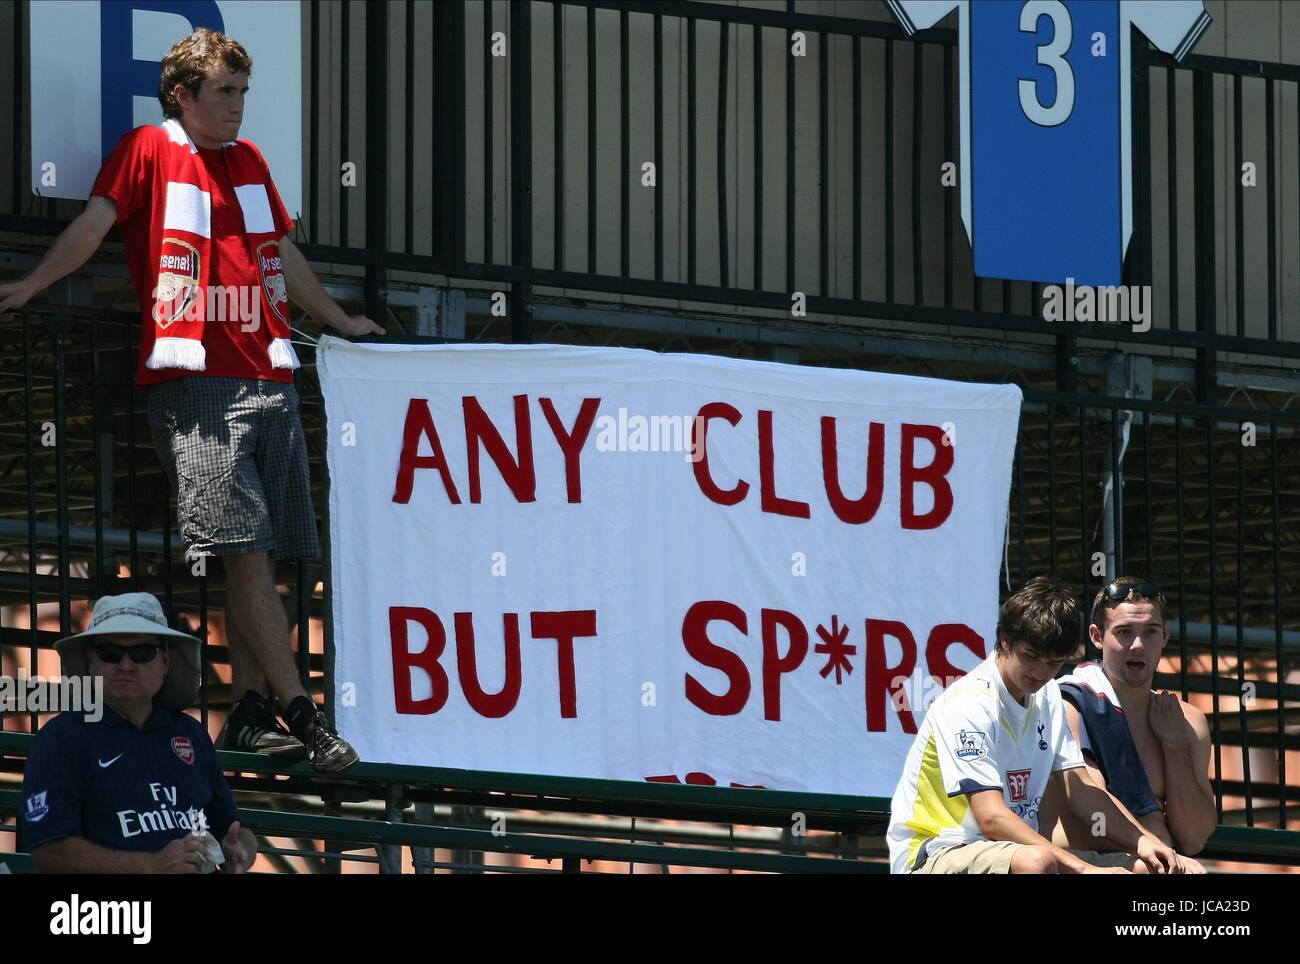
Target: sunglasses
(111,653)
(1118,591)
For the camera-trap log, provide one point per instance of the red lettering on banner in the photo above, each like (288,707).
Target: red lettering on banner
(854,511)
(518,471)
(697,778)
(771,502)
(571,443)
(695,636)
(884,684)
(519,474)
(564,627)
(884,681)
(419,424)
(932,475)
(498,704)
(936,648)
(427,659)
(700,433)
(773,666)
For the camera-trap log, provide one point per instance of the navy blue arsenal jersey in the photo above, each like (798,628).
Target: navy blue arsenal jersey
(1046,154)
(120,787)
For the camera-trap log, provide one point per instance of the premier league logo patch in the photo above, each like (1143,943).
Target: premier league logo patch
(272,275)
(182,747)
(971,744)
(178,280)
(37,808)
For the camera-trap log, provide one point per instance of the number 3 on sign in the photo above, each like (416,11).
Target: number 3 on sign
(1050,55)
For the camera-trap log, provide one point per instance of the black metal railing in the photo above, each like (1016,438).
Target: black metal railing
(86,509)
(1203,500)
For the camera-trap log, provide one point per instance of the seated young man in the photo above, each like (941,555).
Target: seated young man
(1150,750)
(987,752)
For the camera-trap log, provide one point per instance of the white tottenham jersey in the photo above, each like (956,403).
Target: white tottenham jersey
(974,737)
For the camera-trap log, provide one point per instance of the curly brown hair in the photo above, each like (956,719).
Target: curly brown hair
(189,61)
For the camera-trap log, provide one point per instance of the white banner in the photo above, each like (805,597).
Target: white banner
(536,569)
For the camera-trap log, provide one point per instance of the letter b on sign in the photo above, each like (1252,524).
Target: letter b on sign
(121,76)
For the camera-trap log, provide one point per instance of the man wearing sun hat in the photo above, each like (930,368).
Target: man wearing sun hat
(139,790)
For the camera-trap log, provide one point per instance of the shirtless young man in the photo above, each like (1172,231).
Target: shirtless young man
(1150,749)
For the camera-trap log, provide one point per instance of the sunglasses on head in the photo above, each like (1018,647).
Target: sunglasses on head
(112,653)
(1118,591)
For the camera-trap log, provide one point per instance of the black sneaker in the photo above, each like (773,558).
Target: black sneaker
(253,728)
(326,750)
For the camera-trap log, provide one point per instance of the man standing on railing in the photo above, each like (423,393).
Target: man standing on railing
(207,244)
(1150,749)
(138,790)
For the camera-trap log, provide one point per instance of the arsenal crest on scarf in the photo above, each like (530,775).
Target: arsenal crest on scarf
(178,280)
(268,269)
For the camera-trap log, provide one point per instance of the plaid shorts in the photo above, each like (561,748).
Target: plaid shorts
(236,455)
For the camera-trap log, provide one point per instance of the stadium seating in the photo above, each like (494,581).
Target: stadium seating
(844,817)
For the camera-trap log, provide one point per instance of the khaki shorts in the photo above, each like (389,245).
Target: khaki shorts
(981,857)
(994,857)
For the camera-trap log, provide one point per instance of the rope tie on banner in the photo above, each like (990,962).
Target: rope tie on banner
(307,339)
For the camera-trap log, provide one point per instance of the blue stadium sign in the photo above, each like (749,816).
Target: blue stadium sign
(1046,153)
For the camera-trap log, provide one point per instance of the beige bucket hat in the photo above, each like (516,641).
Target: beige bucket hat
(139,613)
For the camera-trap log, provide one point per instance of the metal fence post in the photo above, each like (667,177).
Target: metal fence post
(376,158)
(390,855)
(1206,308)
(521,171)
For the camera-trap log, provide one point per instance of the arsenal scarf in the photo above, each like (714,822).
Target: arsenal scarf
(180,236)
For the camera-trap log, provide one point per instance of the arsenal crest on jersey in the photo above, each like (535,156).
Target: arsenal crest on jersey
(183,748)
(178,280)
(269,270)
